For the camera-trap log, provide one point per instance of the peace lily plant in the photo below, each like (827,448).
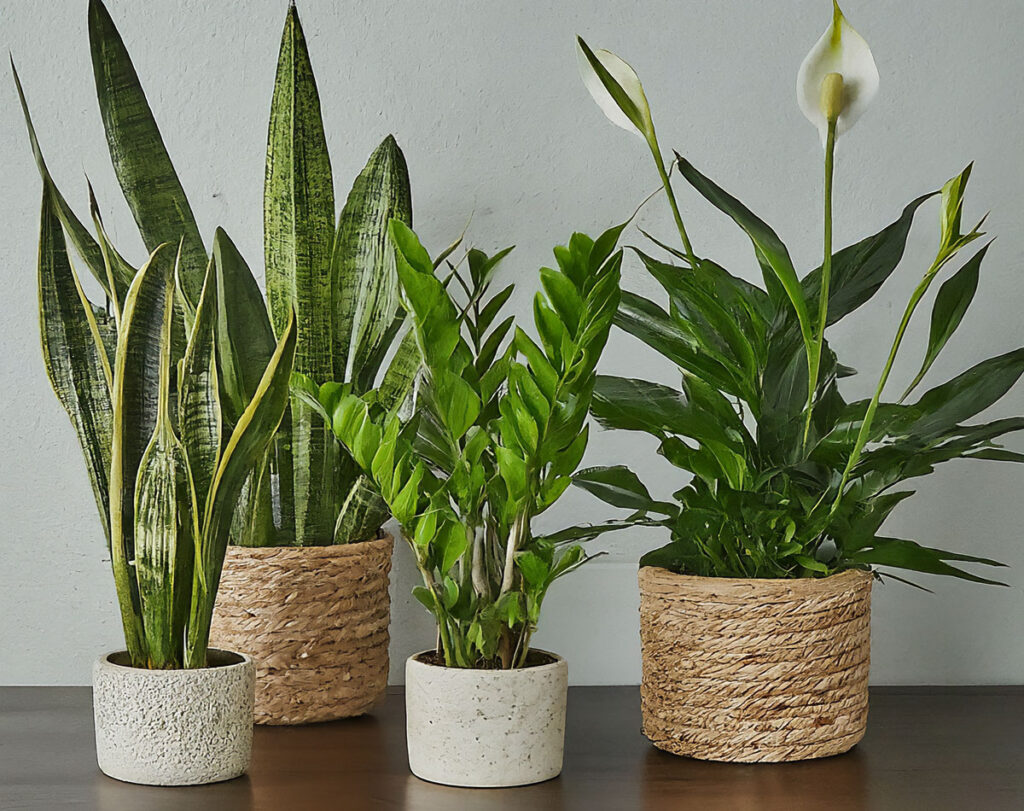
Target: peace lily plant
(778,532)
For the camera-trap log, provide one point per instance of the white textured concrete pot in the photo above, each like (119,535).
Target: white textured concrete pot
(485,728)
(174,727)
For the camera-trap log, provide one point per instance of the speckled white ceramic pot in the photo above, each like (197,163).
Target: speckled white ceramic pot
(485,728)
(173,727)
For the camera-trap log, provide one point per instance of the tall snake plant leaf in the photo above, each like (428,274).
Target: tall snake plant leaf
(248,443)
(164,512)
(73,350)
(143,168)
(298,207)
(135,415)
(81,239)
(298,231)
(366,289)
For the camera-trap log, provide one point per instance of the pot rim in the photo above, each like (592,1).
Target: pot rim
(495,673)
(832,579)
(335,550)
(104,661)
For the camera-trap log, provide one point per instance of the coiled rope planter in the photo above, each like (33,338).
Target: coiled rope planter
(754,670)
(315,621)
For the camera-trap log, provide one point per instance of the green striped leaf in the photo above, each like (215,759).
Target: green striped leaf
(74,353)
(248,443)
(143,168)
(135,414)
(298,207)
(298,231)
(199,410)
(81,239)
(244,338)
(163,514)
(366,288)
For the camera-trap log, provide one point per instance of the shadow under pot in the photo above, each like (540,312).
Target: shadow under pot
(754,670)
(315,621)
(173,727)
(486,728)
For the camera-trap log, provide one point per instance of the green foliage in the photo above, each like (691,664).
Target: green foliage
(339,280)
(166,465)
(779,489)
(498,430)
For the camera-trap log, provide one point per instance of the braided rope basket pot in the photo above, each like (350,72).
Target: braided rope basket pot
(754,670)
(315,621)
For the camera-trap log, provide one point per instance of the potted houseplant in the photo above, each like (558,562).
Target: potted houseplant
(755,617)
(141,388)
(498,429)
(305,582)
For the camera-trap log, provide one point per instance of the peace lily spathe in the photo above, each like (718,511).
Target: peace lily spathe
(616,88)
(843,51)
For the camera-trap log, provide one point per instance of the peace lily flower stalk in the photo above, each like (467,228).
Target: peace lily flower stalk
(836,82)
(616,88)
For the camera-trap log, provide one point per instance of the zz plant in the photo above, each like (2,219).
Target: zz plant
(337,276)
(789,478)
(166,467)
(499,429)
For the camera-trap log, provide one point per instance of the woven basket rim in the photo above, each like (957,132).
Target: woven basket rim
(746,585)
(337,550)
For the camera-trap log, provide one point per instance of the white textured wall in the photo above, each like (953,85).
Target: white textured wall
(484,98)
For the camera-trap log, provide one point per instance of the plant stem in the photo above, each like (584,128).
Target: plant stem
(826,279)
(514,539)
(652,142)
(869,415)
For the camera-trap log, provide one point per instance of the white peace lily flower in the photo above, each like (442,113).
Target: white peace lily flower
(630,111)
(840,50)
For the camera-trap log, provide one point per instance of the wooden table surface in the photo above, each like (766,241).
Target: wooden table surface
(928,748)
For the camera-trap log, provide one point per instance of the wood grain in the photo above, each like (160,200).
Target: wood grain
(926,748)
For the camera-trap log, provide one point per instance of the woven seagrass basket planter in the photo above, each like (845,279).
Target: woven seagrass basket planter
(315,621)
(754,670)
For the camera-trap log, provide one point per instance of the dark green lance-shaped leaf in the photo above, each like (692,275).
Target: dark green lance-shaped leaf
(73,351)
(859,270)
(639,405)
(136,383)
(143,167)
(904,554)
(951,304)
(647,321)
(81,239)
(965,395)
(621,487)
(164,504)
(399,377)
(298,209)
(365,283)
(247,445)
(199,410)
(244,338)
(771,253)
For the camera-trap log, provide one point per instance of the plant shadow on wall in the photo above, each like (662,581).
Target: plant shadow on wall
(789,479)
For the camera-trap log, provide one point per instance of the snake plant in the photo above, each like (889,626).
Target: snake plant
(498,430)
(789,478)
(338,279)
(166,467)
